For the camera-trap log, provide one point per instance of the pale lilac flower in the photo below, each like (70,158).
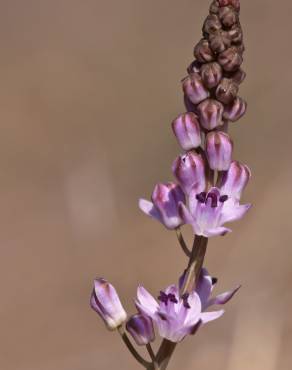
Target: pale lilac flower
(141,329)
(208,212)
(219,149)
(189,170)
(187,130)
(175,316)
(164,205)
(105,301)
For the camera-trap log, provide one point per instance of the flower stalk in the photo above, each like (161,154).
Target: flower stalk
(206,195)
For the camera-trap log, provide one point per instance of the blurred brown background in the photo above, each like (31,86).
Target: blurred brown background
(88,90)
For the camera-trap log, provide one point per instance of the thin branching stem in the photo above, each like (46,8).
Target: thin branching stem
(182,242)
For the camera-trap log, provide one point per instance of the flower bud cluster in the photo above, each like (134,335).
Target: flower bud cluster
(213,80)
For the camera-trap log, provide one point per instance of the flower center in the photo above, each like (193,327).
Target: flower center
(163,297)
(203,198)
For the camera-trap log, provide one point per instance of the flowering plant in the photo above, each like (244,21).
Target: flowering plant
(206,195)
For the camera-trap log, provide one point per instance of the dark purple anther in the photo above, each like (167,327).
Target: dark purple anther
(172,298)
(214,280)
(201,197)
(163,297)
(223,198)
(185,298)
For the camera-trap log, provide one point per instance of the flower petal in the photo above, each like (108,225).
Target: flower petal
(145,302)
(233,212)
(149,209)
(204,287)
(188,219)
(216,232)
(224,297)
(210,316)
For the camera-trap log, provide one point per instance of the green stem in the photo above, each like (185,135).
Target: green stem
(131,348)
(182,242)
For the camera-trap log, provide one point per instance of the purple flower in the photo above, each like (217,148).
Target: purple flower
(175,316)
(208,212)
(164,205)
(141,329)
(189,170)
(187,130)
(105,301)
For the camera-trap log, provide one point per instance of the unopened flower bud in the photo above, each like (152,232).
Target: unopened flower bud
(210,113)
(238,76)
(223,2)
(203,52)
(189,170)
(187,130)
(211,74)
(234,3)
(214,7)
(235,110)
(194,67)
(236,34)
(219,41)
(105,301)
(235,180)
(194,88)
(219,148)
(164,205)
(227,16)
(141,329)
(226,91)
(230,59)
(212,24)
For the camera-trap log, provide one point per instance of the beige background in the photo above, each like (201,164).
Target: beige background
(87,93)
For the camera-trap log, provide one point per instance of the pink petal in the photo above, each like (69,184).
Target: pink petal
(224,297)
(216,232)
(145,302)
(233,212)
(149,209)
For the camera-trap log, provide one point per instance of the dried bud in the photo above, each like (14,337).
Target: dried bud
(193,87)
(203,52)
(234,3)
(219,41)
(226,91)
(141,329)
(164,205)
(189,169)
(223,2)
(212,24)
(105,301)
(211,74)
(187,130)
(210,113)
(214,7)
(235,34)
(227,16)
(235,110)
(194,67)
(219,148)
(235,180)
(230,59)
(238,76)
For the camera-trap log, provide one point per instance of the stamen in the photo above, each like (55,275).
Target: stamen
(172,298)
(201,197)
(163,297)
(185,300)
(223,198)
(214,199)
(214,280)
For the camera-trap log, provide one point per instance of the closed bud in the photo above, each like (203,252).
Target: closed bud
(203,52)
(194,67)
(235,34)
(238,76)
(214,7)
(141,329)
(105,301)
(211,74)
(212,24)
(230,59)
(187,130)
(235,110)
(219,148)
(194,88)
(164,206)
(234,3)
(223,2)
(227,16)
(226,91)
(189,170)
(235,180)
(219,41)
(210,113)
